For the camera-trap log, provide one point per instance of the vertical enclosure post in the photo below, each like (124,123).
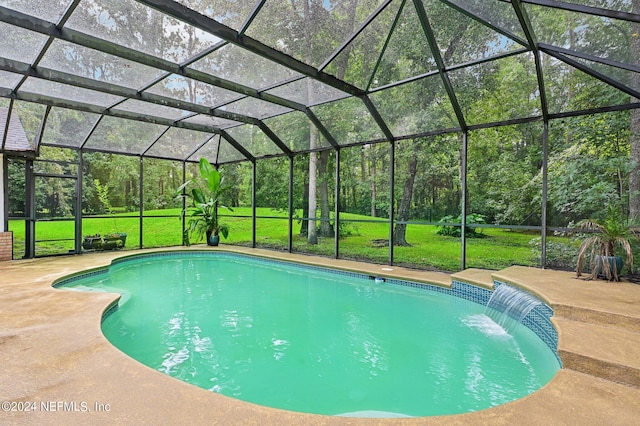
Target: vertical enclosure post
(141,198)
(336,230)
(545,159)
(463,184)
(290,222)
(6,238)
(254,177)
(184,201)
(78,215)
(30,213)
(392,195)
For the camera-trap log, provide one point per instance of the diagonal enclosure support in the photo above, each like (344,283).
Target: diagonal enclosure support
(528,30)
(431,39)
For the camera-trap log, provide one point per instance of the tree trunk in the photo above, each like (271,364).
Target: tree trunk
(326,229)
(372,176)
(463,203)
(634,176)
(312,235)
(304,226)
(400,230)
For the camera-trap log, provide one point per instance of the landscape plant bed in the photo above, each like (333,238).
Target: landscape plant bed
(106,242)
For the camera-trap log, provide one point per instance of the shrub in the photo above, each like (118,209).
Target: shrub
(559,255)
(449,228)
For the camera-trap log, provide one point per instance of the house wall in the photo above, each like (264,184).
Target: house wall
(6,246)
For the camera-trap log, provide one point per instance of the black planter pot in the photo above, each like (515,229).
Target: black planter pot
(212,240)
(615,266)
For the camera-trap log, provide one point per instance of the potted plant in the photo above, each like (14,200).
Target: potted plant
(203,219)
(604,241)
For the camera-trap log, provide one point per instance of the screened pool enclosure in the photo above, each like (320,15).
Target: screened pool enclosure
(439,134)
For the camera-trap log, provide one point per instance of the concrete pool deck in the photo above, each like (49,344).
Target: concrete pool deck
(57,367)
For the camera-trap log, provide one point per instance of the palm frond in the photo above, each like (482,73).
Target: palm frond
(605,239)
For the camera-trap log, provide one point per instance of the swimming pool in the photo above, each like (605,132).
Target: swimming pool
(315,340)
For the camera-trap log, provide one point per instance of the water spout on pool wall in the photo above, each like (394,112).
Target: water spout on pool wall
(509,305)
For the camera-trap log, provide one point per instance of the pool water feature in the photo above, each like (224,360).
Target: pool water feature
(316,341)
(508,306)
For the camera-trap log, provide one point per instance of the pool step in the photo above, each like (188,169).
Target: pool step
(616,320)
(608,352)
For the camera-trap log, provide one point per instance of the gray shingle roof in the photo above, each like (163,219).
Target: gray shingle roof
(16,138)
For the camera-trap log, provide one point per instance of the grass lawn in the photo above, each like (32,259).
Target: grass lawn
(363,241)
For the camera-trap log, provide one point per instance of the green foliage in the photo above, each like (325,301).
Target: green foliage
(122,173)
(16,187)
(203,217)
(448,226)
(589,156)
(272,183)
(502,165)
(102,192)
(610,236)
(428,250)
(589,167)
(559,254)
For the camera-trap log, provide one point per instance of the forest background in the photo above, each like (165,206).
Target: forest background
(592,159)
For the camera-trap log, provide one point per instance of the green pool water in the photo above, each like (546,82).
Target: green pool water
(314,341)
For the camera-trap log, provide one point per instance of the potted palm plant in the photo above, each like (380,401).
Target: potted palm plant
(203,214)
(604,241)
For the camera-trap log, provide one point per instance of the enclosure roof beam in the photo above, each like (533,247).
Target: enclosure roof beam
(267,131)
(69,104)
(525,23)
(91,132)
(486,23)
(252,16)
(614,108)
(605,61)
(323,130)
(598,11)
(154,141)
(452,68)
(237,145)
(200,145)
(41,128)
(43,27)
(183,13)
(355,34)
(433,44)
(377,118)
(394,24)
(112,89)
(595,74)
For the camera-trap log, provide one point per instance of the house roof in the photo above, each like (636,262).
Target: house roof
(16,138)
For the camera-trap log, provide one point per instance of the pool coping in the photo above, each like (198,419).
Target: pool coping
(54,352)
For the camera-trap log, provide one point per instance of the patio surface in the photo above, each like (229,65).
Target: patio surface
(54,355)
